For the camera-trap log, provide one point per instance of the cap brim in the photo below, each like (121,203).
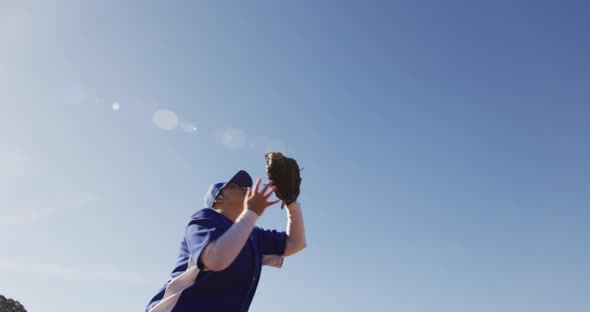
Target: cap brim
(241,179)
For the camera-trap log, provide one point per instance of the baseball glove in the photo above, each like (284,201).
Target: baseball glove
(285,175)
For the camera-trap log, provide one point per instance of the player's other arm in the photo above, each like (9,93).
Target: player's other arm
(295,230)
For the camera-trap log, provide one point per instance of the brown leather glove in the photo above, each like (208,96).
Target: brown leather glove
(285,175)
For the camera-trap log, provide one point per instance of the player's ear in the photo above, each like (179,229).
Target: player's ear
(218,199)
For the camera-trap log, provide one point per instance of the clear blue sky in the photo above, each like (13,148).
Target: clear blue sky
(445,147)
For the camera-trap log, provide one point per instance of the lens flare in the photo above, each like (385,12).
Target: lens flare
(166,119)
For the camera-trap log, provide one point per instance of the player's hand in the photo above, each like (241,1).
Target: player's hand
(258,201)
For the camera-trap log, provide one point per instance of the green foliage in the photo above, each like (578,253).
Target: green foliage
(10,305)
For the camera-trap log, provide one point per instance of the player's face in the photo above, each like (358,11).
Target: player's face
(233,194)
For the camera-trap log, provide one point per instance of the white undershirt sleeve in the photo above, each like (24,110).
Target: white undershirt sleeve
(219,254)
(295,229)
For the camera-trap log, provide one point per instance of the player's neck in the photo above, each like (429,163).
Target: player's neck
(231,213)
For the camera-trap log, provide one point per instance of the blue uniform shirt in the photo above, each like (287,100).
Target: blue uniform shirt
(233,288)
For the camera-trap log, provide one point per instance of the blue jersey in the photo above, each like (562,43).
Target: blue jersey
(231,289)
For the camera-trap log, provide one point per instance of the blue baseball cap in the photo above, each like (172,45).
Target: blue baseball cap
(242,179)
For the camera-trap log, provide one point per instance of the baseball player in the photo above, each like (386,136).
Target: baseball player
(222,251)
